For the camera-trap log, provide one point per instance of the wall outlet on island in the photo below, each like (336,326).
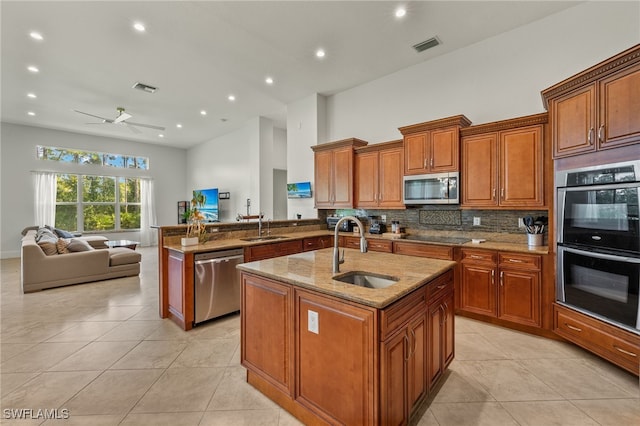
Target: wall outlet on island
(312,319)
(476,221)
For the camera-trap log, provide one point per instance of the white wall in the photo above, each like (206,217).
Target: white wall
(306,127)
(495,79)
(18,159)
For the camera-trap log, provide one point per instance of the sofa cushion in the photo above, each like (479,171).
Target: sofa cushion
(48,247)
(45,232)
(62,246)
(64,234)
(76,245)
(123,256)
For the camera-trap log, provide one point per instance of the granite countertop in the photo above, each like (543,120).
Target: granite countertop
(313,270)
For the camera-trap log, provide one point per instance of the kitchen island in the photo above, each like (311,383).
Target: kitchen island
(330,352)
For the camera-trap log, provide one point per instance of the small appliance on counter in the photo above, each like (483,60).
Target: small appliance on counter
(377,227)
(346,226)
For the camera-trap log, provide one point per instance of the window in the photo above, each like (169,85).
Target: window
(76,156)
(97,203)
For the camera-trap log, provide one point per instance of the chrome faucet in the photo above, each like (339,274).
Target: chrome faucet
(260,224)
(337,260)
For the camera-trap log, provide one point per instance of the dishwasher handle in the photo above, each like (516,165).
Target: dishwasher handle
(218,260)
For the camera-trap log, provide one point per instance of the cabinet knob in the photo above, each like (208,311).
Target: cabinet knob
(601,133)
(493,193)
(493,276)
(590,136)
(625,352)
(501,278)
(570,327)
(431,162)
(502,193)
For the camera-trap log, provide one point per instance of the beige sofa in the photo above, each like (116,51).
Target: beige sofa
(41,271)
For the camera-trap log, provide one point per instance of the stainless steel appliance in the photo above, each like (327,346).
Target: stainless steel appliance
(217,284)
(436,188)
(599,242)
(345,226)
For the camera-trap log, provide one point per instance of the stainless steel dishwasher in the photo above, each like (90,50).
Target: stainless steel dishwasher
(217,284)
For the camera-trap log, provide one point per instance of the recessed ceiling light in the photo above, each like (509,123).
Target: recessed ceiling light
(31,113)
(36,35)
(320,53)
(161,135)
(31,95)
(203,112)
(231,98)
(268,80)
(33,69)
(179,126)
(139,26)
(400,12)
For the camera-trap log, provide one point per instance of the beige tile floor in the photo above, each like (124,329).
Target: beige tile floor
(101,352)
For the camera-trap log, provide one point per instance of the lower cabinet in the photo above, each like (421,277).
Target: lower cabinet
(267,251)
(317,243)
(441,335)
(502,285)
(373,244)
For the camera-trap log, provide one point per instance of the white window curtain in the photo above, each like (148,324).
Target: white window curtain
(148,236)
(44,198)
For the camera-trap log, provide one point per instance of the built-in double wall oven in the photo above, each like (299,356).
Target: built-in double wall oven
(598,240)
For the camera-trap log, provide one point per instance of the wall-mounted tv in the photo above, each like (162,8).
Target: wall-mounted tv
(299,190)
(210,209)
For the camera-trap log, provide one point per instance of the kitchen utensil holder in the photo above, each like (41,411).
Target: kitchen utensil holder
(535,239)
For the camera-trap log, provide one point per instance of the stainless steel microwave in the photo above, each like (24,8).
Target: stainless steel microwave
(435,188)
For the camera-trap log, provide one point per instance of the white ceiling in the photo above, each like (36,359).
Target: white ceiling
(199,52)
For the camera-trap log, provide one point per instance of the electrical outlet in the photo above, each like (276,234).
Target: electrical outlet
(476,221)
(312,319)
(383,218)
(520,223)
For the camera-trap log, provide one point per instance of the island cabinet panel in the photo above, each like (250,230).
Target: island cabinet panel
(441,335)
(506,286)
(597,108)
(180,288)
(267,334)
(335,366)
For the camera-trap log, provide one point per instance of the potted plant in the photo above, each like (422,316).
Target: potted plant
(196,231)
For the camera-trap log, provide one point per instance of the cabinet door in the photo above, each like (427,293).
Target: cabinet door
(519,296)
(435,354)
(479,172)
(342,185)
(417,360)
(478,289)
(335,358)
(323,177)
(444,153)
(415,153)
(521,167)
(448,329)
(390,178)
(267,334)
(366,183)
(573,122)
(620,108)
(394,407)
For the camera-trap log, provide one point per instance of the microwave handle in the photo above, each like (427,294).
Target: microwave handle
(602,255)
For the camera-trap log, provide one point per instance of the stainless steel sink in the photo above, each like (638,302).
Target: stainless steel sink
(366,279)
(265,238)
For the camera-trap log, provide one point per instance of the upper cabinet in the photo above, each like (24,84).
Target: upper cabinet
(334,173)
(598,108)
(433,146)
(503,163)
(379,170)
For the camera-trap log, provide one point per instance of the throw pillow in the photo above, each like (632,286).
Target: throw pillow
(62,233)
(49,248)
(62,246)
(76,245)
(45,232)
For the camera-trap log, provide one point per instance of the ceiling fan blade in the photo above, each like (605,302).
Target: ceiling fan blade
(123,116)
(150,126)
(91,115)
(133,129)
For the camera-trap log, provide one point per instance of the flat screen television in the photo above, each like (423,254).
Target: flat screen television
(299,190)
(210,209)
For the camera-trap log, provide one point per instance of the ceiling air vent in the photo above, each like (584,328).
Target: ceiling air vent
(144,87)
(427,44)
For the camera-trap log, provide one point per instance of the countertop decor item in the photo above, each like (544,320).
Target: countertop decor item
(535,229)
(196,231)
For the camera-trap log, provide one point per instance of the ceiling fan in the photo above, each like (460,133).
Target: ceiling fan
(121,118)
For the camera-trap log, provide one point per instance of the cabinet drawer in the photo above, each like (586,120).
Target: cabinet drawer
(439,286)
(267,251)
(398,314)
(517,260)
(423,250)
(317,243)
(379,245)
(612,343)
(479,256)
(351,242)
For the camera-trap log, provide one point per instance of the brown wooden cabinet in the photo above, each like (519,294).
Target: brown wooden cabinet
(612,343)
(267,335)
(317,243)
(180,288)
(506,286)
(333,165)
(597,108)
(434,251)
(267,251)
(378,176)
(441,335)
(373,244)
(433,146)
(503,163)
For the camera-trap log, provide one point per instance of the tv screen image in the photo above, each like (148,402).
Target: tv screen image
(299,190)
(210,209)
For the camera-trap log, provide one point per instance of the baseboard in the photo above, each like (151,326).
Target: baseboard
(9,254)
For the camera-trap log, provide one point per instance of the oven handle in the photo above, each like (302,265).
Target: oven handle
(602,255)
(612,185)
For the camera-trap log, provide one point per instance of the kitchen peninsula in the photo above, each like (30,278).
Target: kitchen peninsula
(331,352)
